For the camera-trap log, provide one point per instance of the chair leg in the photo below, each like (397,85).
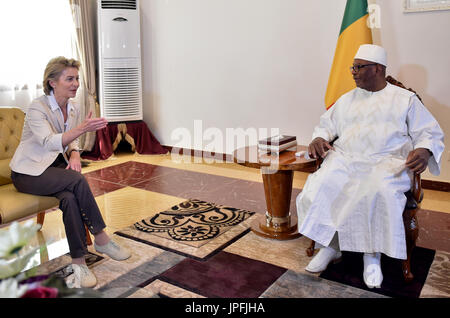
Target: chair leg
(411,234)
(88,236)
(406,267)
(310,249)
(40,219)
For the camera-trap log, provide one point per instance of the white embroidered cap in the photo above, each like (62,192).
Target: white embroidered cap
(372,53)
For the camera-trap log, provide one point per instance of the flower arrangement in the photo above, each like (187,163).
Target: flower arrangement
(14,256)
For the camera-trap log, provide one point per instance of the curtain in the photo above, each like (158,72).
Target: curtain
(83,12)
(32,33)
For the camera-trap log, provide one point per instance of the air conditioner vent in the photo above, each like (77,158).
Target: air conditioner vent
(122,92)
(119,4)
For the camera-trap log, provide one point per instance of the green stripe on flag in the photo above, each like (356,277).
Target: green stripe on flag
(354,10)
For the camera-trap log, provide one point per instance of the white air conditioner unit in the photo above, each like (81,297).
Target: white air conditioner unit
(120,67)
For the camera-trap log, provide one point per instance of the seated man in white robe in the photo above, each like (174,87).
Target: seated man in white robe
(355,201)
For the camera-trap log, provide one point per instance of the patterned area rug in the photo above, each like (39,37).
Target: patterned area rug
(61,266)
(248,267)
(350,272)
(193,222)
(195,228)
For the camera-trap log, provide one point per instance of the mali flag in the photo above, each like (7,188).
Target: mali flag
(354,32)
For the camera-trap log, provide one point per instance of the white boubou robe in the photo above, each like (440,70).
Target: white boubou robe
(358,191)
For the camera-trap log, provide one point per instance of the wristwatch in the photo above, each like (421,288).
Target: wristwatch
(70,153)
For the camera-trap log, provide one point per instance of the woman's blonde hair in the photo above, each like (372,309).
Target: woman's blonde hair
(54,70)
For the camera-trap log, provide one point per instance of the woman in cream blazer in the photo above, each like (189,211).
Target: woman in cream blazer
(47,162)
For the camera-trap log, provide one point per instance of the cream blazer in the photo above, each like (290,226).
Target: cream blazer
(41,141)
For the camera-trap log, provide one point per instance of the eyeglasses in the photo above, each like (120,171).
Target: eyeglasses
(356,68)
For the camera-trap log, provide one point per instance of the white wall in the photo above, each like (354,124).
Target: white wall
(419,49)
(265,64)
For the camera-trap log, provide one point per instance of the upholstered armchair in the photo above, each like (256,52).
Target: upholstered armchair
(14,205)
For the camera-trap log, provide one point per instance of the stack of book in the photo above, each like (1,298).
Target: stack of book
(277,144)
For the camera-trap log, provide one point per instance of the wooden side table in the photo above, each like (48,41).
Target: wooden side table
(278,174)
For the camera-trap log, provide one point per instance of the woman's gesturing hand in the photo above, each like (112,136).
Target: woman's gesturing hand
(93,124)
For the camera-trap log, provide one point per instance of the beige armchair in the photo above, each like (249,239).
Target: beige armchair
(15,205)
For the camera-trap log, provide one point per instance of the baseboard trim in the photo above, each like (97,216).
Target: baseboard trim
(426,184)
(436,185)
(202,154)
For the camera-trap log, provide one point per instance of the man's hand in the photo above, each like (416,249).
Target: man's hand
(417,160)
(74,161)
(318,148)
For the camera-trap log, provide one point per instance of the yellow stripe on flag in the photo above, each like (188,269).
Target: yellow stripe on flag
(341,80)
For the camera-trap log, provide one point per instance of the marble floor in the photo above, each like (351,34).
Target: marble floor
(130,187)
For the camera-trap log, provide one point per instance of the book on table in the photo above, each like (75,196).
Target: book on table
(277,143)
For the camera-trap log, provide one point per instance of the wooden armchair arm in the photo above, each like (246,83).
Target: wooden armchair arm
(318,163)
(417,188)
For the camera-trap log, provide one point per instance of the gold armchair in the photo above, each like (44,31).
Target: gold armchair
(14,205)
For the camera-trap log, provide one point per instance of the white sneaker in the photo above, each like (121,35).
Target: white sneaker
(324,257)
(113,250)
(373,277)
(82,277)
